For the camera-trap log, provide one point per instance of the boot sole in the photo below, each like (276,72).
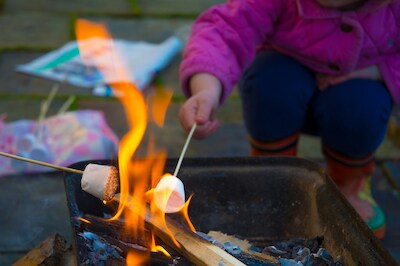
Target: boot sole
(380,232)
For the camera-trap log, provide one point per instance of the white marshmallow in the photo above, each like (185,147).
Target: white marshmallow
(169,194)
(100,180)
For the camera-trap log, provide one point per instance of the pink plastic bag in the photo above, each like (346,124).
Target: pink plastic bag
(61,140)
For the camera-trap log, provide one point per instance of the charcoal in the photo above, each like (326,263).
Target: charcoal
(272,250)
(255,249)
(302,253)
(252,261)
(324,254)
(211,240)
(313,260)
(99,251)
(339,261)
(314,243)
(292,248)
(232,249)
(289,262)
(296,250)
(205,236)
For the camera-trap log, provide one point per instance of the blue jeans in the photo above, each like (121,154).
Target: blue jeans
(280,98)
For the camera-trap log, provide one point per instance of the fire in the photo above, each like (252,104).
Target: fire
(84,220)
(138,177)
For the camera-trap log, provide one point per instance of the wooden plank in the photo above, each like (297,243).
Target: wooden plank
(191,246)
(244,245)
(49,252)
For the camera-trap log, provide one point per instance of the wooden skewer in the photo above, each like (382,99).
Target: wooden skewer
(72,170)
(44,107)
(189,137)
(66,169)
(66,104)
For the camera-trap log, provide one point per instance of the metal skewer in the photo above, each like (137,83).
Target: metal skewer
(66,169)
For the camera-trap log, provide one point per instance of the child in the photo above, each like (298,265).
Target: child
(326,67)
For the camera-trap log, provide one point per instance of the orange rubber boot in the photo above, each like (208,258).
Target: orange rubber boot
(282,147)
(353,177)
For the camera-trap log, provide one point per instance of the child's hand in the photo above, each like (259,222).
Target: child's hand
(371,72)
(206,92)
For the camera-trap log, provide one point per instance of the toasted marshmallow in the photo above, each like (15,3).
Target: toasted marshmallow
(100,180)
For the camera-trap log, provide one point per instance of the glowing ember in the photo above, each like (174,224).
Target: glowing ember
(139,176)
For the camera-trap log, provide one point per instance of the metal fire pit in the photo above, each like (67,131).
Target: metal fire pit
(260,197)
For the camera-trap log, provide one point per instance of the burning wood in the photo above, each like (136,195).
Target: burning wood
(184,241)
(115,229)
(211,248)
(197,250)
(188,243)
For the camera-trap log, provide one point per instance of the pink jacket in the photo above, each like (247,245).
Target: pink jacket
(226,37)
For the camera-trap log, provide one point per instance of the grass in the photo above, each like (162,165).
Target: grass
(135,8)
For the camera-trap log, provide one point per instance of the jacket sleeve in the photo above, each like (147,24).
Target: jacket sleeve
(390,70)
(390,66)
(224,40)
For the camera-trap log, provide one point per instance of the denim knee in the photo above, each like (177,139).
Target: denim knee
(275,92)
(352,116)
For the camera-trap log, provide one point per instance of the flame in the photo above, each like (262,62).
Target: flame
(156,248)
(159,102)
(134,259)
(84,220)
(185,213)
(137,176)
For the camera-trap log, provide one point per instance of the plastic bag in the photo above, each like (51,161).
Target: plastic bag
(61,140)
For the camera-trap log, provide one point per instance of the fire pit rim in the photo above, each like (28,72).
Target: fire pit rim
(374,244)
